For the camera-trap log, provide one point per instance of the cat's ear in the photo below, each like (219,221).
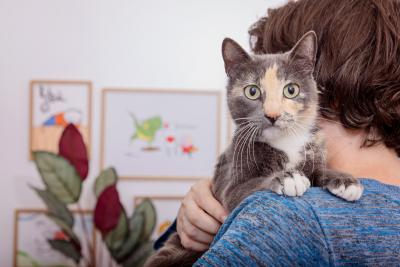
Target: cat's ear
(233,55)
(303,54)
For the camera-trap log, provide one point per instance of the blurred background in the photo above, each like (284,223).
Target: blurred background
(148,44)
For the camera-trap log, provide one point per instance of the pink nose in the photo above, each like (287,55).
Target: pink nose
(272,117)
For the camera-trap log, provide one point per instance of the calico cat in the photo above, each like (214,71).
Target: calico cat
(273,100)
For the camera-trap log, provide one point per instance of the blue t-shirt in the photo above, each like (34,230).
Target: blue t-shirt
(316,229)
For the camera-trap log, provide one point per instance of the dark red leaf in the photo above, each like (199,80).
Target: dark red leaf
(73,148)
(108,210)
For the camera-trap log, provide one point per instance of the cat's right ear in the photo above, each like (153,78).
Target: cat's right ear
(233,55)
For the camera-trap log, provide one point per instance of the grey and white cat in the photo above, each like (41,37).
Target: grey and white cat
(273,99)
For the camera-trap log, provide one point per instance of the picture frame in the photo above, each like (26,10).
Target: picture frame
(53,105)
(36,249)
(166,209)
(183,137)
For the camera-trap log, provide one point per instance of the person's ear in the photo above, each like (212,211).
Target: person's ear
(303,54)
(233,55)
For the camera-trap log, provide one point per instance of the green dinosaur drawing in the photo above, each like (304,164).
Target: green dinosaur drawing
(147,129)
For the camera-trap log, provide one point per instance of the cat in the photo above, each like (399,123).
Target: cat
(273,100)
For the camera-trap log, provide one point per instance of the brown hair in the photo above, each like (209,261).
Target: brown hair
(358,62)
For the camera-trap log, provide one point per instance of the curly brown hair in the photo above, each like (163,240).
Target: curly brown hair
(358,62)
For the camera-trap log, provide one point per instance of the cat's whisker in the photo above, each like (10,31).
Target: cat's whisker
(240,136)
(254,136)
(241,150)
(251,146)
(250,117)
(239,125)
(247,151)
(243,145)
(242,129)
(247,122)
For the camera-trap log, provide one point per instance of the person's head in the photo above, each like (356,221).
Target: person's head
(357,66)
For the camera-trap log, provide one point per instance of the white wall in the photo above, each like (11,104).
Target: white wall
(119,43)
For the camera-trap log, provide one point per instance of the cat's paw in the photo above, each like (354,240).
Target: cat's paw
(351,192)
(294,185)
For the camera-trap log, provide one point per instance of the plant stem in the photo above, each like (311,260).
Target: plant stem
(86,233)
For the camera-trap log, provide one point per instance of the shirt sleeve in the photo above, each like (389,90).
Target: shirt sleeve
(269,230)
(159,243)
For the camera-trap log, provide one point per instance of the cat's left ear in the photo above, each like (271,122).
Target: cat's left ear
(233,55)
(303,54)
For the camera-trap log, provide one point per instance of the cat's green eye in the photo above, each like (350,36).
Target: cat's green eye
(252,92)
(291,90)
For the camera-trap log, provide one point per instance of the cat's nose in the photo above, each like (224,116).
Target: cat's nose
(272,118)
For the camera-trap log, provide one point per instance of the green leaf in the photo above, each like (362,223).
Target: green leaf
(55,206)
(136,225)
(140,256)
(66,229)
(150,217)
(116,237)
(105,179)
(24,259)
(59,176)
(66,248)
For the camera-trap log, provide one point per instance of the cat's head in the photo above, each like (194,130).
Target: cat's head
(275,92)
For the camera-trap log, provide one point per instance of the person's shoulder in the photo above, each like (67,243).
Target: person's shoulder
(269,202)
(269,229)
(374,193)
(317,209)
(315,228)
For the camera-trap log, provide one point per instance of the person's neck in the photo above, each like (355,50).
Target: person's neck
(344,153)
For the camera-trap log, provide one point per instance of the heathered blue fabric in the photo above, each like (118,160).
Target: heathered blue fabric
(317,229)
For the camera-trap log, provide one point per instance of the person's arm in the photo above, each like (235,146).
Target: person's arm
(269,230)
(199,218)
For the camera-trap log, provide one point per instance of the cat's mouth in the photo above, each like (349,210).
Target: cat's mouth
(271,132)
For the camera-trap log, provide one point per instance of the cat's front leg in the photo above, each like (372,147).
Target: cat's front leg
(341,184)
(284,183)
(289,183)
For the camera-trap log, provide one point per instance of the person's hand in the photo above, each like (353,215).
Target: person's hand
(199,217)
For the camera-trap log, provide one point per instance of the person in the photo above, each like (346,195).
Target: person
(358,74)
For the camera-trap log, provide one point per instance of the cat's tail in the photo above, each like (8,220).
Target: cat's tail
(172,254)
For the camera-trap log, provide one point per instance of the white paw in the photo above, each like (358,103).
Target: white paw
(294,186)
(351,193)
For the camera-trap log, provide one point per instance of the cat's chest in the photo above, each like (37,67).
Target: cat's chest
(293,148)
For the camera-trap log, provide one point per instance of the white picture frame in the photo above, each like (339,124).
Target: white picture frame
(55,104)
(32,228)
(183,137)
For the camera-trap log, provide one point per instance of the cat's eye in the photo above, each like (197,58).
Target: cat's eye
(291,90)
(252,92)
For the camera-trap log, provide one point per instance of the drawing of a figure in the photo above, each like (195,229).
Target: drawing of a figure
(64,118)
(187,146)
(146,131)
(170,140)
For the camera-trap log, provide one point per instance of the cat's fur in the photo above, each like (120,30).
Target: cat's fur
(276,143)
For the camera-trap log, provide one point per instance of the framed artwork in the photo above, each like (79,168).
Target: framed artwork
(166,208)
(160,134)
(55,104)
(32,228)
